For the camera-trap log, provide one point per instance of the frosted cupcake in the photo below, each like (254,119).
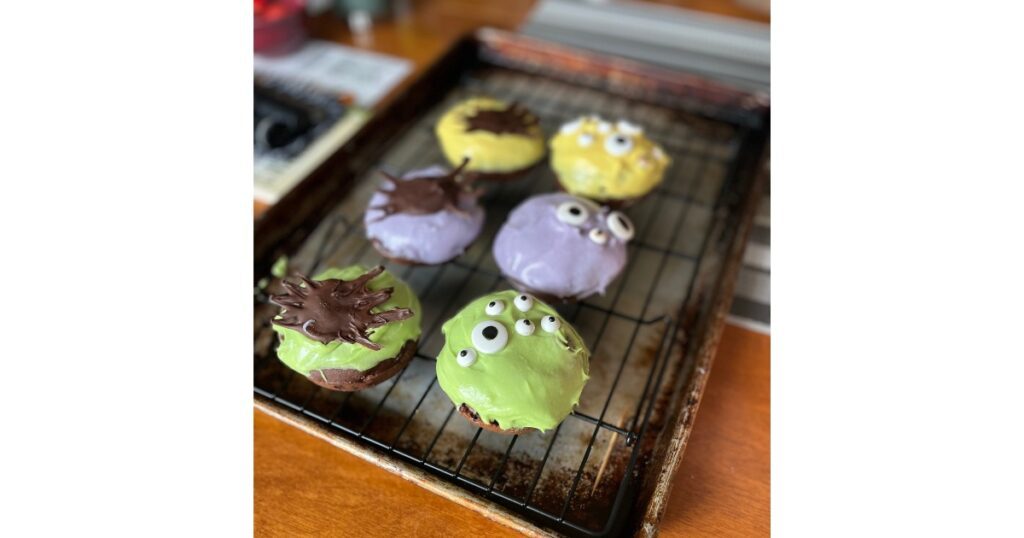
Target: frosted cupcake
(427,216)
(510,363)
(501,140)
(561,247)
(612,163)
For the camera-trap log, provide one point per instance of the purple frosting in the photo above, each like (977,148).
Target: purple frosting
(544,253)
(427,239)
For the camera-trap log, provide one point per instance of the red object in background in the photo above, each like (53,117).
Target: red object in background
(277,26)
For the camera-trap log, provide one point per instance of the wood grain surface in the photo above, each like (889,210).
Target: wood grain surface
(304,486)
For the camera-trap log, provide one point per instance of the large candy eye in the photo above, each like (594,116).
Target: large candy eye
(550,323)
(523,302)
(618,144)
(598,236)
(489,336)
(525,327)
(466,357)
(573,213)
(495,307)
(620,225)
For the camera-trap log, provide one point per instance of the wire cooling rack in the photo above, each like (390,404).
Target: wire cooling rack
(581,477)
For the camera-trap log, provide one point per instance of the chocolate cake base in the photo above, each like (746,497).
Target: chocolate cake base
(350,380)
(511,175)
(491,426)
(402,261)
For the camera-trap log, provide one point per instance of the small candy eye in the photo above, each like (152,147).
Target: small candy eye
(572,213)
(523,302)
(629,128)
(571,126)
(620,225)
(604,127)
(550,323)
(598,236)
(585,140)
(618,145)
(489,337)
(495,307)
(466,357)
(525,327)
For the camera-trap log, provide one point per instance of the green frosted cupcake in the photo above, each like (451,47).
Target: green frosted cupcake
(347,329)
(511,363)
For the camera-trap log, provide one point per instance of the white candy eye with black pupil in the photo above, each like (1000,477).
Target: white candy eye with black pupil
(495,307)
(598,236)
(572,213)
(618,144)
(523,302)
(466,357)
(525,327)
(620,225)
(550,323)
(489,337)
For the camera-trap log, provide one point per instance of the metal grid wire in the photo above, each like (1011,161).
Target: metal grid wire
(575,478)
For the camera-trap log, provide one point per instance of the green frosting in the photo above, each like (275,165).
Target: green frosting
(280,267)
(304,354)
(533,382)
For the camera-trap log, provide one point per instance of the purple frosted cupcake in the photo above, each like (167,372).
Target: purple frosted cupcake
(427,216)
(562,247)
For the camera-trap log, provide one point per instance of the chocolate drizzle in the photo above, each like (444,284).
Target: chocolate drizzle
(335,309)
(425,195)
(515,120)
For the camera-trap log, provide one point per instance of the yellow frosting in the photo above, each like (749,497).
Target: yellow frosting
(606,161)
(487,151)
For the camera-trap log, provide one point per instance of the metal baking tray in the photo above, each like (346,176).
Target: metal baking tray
(607,469)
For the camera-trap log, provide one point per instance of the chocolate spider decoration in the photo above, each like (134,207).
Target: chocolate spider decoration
(515,120)
(335,309)
(426,195)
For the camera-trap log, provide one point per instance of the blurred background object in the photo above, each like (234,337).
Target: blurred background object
(278,26)
(723,48)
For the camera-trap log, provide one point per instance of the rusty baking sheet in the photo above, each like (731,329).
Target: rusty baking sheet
(607,468)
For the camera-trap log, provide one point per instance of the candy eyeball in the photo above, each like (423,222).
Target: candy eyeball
(620,225)
(618,144)
(598,236)
(550,323)
(585,140)
(604,127)
(495,307)
(573,213)
(629,128)
(525,327)
(523,302)
(571,126)
(489,336)
(466,357)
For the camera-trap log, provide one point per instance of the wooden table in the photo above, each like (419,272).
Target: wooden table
(305,486)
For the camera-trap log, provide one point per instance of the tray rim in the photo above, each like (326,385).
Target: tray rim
(667,453)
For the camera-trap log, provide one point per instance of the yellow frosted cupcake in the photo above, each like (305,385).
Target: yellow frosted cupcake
(501,140)
(606,162)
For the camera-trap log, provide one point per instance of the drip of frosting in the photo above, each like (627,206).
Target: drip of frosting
(425,195)
(514,119)
(337,309)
